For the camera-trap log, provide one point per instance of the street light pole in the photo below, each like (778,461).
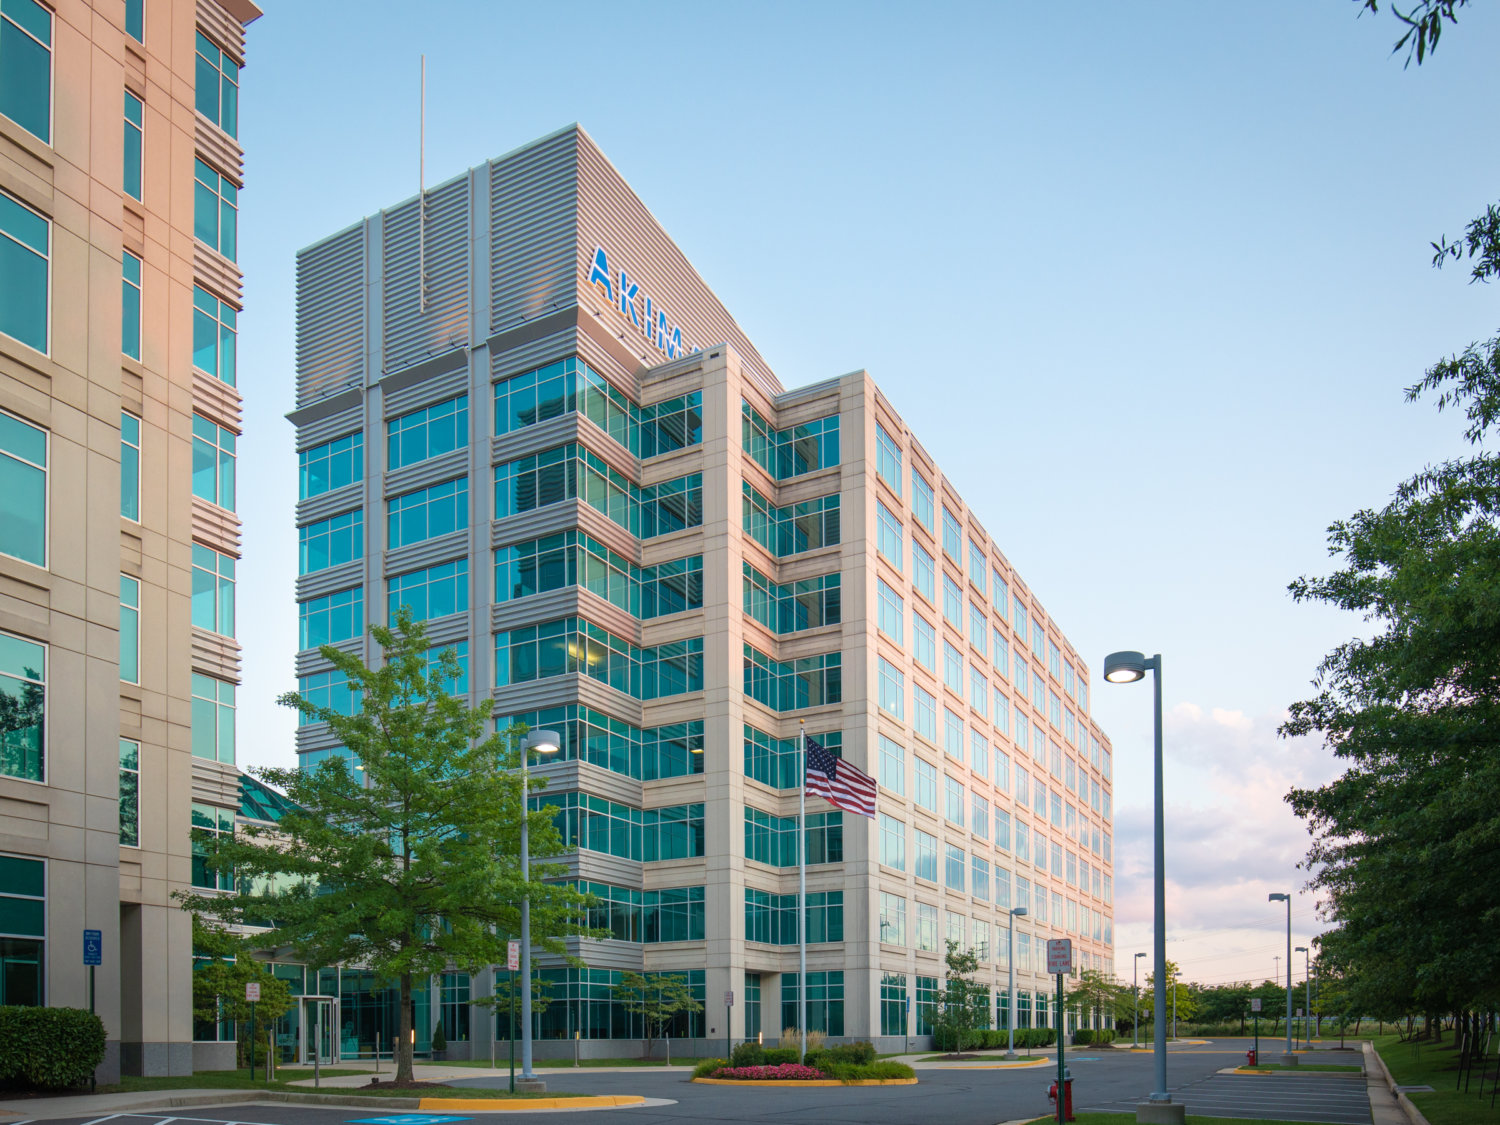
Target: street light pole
(1124,668)
(1135,991)
(1307,987)
(1010,957)
(543,742)
(1290,1059)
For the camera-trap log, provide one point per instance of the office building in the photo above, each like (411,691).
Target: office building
(119,413)
(521,412)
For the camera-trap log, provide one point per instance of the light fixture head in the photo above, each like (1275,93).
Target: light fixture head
(1124,667)
(1299,949)
(544,741)
(1277,896)
(1140,955)
(1019,911)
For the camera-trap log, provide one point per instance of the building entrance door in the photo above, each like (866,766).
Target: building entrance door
(320,1021)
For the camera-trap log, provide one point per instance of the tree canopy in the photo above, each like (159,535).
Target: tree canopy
(1405,840)
(405,859)
(1423,22)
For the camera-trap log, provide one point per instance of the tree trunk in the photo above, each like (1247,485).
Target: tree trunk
(403,1034)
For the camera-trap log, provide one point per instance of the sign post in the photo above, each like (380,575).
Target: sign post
(93,955)
(1255,1007)
(252,996)
(728,1037)
(1060,963)
(512,963)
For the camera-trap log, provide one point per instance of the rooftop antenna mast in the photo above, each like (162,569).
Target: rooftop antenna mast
(422,193)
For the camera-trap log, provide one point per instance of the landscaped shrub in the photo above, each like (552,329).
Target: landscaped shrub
(861,1053)
(1095,1036)
(706,1067)
(947,1039)
(885,1070)
(49,1048)
(747,1054)
(776,1056)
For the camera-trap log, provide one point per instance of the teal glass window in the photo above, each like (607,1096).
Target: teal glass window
(23,913)
(26,66)
(892,688)
(953,603)
(433,430)
(428,512)
(772,919)
(925,789)
(777,762)
(789,685)
(893,842)
(135,20)
(888,535)
(217,86)
(435,591)
(331,542)
(953,537)
(893,1002)
(328,689)
(792,452)
(887,459)
(130,628)
(570,386)
(924,704)
(922,506)
(23,695)
(924,572)
(213,462)
(209,822)
(794,528)
(571,472)
(591,823)
(979,569)
(892,765)
(953,867)
(890,612)
(574,558)
(825,1001)
(25,260)
(213,718)
(130,793)
(455,685)
(925,867)
(953,669)
(130,305)
(924,642)
(214,335)
(772,839)
(979,628)
(213,590)
(331,465)
(795,606)
(672,914)
(674,750)
(216,203)
(135,116)
(572,645)
(23,490)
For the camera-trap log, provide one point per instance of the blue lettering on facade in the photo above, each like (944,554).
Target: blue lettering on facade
(626,296)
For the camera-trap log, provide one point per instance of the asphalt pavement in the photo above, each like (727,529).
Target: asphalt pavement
(979,1092)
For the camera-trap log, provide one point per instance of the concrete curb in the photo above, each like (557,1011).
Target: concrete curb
(1375,1066)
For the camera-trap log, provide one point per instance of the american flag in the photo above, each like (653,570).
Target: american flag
(838,782)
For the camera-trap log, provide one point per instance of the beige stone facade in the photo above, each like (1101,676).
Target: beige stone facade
(61,816)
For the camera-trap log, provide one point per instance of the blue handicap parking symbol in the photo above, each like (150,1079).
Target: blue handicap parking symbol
(407,1119)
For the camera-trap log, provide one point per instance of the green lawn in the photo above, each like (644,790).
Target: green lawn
(1437,1066)
(240,1080)
(986,1056)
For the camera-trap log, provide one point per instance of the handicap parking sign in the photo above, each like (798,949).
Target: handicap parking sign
(407,1119)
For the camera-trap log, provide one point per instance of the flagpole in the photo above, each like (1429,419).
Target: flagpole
(802,896)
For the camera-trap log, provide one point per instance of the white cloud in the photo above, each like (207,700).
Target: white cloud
(1230,840)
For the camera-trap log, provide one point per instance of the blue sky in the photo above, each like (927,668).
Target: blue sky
(1167,262)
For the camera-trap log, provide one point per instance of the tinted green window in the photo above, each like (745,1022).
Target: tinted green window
(130,792)
(213,462)
(425,433)
(214,325)
(130,466)
(217,93)
(338,539)
(130,305)
(336,617)
(215,210)
(26,66)
(130,628)
(331,465)
(23,690)
(24,248)
(23,490)
(213,590)
(434,592)
(135,19)
(134,121)
(213,718)
(428,512)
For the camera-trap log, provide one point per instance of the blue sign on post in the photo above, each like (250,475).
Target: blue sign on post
(93,947)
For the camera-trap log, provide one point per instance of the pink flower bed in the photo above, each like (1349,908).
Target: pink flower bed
(792,1071)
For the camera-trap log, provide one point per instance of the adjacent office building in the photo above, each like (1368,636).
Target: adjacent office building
(119,414)
(521,412)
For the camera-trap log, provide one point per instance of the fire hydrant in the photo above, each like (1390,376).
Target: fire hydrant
(1250,1057)
(1067,1098)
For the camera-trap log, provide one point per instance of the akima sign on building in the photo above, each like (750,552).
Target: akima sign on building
(642,312)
